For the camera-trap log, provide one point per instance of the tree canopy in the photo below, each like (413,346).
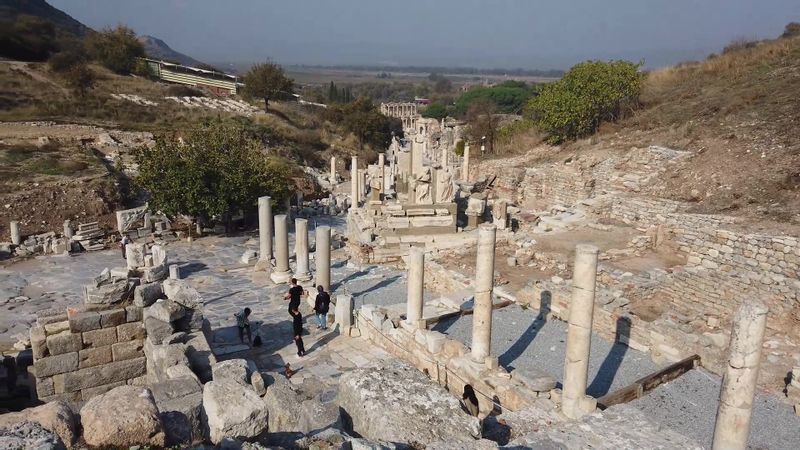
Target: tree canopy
(508,99)
(267,81)
(590,93)
(435,111)
(116,49)
(216,171)
(27,38)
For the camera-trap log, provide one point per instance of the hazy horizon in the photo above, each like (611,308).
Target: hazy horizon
(455,33)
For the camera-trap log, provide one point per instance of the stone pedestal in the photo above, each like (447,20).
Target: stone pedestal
(473,221)
(354,197)
(416,282)
(265,230)
(322,257)
(281,274)
(68,231)
(343,312)
(500,214)
(739,383)
(302,272)
(147,222)
(579,333)
(484,284)
(174,272)
(15,235)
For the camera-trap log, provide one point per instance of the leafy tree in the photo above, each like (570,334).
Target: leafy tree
(218,170)
(27,38)
(116,49)
(460,147)
(590,93)
(507,99)
(435,111)
(367,124)
(792,29)
(267,81)
(482,123)
(80,78)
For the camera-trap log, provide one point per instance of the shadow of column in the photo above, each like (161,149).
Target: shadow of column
(608,370)
(519,347)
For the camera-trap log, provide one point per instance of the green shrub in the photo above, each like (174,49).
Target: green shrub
(117,49)
(460,147)
(590,93)
(436,111)
(508,99)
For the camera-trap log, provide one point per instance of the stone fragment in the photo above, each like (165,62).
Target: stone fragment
(91,357)
(232,370)
(179,403)
(133,313)
(112,318)
(183,294)
(146,294)
(130,331)
(56,417)
(29,435)
(122,417)
(83,321)
(38,342)
(104,374)
(128,350)
(535,380)
(64,342)
(113,292)
(429,413)
(157,330)
(165,311)
(191,321)
(100,338)
(180,371)
(233,410)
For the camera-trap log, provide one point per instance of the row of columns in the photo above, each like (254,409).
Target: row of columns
(400,110)
(738,384)
(281,273)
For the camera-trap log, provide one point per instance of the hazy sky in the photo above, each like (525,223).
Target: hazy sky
(480,33)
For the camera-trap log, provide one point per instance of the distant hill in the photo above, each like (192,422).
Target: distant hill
(158,49)
(65,24)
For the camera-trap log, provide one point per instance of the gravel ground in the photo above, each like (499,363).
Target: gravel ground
(687,405)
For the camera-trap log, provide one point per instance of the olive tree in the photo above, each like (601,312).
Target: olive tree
(267,81)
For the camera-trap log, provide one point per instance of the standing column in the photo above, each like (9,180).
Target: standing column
(354,182)
(322,257)
(15,236)
(68,232)
(444,161)
(382,173)
(739,382)
(265,229)
(333,170)
(281,274)
(484,283)
(362,184)
(579,334)
(465,163)
(301,249)
(416,281)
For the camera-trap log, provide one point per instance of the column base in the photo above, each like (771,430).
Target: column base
(303,276)
(280,277)
(263,265)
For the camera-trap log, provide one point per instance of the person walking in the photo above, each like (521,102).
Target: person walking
(125,241)
(321,307)
(243,323)
(297,322)
(294,294)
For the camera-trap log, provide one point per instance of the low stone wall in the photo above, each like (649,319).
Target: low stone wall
(564,184)
(447,362)
(88,351)
(646,211)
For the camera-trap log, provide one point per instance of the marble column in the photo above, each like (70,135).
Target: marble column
(362,184)
(265,229)
(382,171)
(174,272)
(281,274)
(465,164)
(302,272)
(579,333)
(15,234)
(68,231)
(484,284)
(416,282)
(741,374)
(322,257)
(354,198)
(343,313)
(333,170)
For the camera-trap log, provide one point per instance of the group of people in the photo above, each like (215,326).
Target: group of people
(296,292)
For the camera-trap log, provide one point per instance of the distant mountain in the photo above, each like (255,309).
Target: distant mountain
(158,49)
(65,24)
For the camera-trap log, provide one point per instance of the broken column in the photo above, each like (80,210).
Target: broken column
(15,236)
(484,283)
(301,249)
(465,163)
(68,232)
(281,274)
(362,184)
(333,170)
(343,312)
(264,231)
(381,171)
(739,383)
(575,403)
(354,198)
(174,272)
(322,257)
(416,281)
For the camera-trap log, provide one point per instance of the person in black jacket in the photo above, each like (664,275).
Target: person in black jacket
(321,307)
(297,320)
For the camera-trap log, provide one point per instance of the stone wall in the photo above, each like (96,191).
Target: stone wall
(645,211)
(564,184)
(88,351)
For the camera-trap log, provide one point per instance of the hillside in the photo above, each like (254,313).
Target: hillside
(158,49)
(65,24)
(736,113)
